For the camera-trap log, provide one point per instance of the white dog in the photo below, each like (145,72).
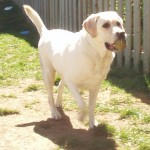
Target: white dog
(82,59)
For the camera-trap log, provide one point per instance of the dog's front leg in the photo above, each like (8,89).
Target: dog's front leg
(81,104)
(92,103)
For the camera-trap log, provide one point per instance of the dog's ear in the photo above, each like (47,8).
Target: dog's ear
(90,25)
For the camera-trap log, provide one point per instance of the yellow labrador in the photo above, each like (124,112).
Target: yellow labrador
(82,59)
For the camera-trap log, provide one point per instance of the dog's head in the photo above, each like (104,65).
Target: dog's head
(107,27)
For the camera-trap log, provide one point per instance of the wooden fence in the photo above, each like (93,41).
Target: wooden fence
(69,14)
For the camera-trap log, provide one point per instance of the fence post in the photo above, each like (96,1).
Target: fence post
(146,36)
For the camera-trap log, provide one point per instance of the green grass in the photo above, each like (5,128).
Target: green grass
(33,87)
(129,112)
(18,60)
(6,111)
(129,98)
(30,105)
(8,96)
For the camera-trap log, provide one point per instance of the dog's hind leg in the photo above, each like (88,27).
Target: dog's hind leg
(48,75)
(58,102)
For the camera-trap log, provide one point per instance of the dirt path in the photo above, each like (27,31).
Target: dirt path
(32,128)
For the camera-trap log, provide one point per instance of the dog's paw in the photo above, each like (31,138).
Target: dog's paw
(56,115)
(93,124)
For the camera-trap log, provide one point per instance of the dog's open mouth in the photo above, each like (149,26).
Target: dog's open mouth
(110,47)
(117,45)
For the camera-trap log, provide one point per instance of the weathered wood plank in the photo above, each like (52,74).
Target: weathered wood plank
(146,36)
(80,13)
(119,57)
(101,5)
(66,15)
(94,6)
(85,11)
(128,26)
(113,5)
(106,5)
(74,15)
(137,35)
(70,15)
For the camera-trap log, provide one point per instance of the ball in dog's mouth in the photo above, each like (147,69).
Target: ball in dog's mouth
(116,46)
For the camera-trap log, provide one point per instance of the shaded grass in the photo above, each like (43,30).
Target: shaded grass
(128,80)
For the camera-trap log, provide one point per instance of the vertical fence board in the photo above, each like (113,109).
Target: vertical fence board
(128,26)
(106,5)
(146,36)
(113,5)
(61,13)
(66,15)
(89,7)
(101,5)
(137,35)
(74,16)
(84,10)
(94,6)
(52,12)
(80,13)
(119,58)
(70,15)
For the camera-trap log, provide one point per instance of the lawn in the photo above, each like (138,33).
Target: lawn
(122,107)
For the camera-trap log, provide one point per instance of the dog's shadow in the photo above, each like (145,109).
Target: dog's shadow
(65,136)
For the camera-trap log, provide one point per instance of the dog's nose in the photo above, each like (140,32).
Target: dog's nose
(120,35)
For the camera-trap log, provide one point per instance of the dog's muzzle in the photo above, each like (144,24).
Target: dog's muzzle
(119,44)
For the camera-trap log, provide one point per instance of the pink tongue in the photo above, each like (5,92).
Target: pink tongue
(112,46)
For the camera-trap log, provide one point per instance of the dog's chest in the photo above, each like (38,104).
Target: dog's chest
(97,72)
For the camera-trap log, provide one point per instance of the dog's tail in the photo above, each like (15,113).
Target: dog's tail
(35,18)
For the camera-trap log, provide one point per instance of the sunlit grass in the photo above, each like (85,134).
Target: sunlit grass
(33,87)
(6,111)
(31,104)
(18,60)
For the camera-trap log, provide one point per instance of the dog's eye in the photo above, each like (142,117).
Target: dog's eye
(118,24)
(106,25)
